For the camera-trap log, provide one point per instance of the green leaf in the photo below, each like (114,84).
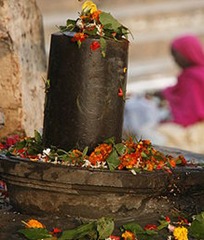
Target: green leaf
(85,151)
(105,227)
(37,137)
(35,233)
(70,26)
(80,232)
(144,155)
(197,226)
(151,232)
(20,145)
(120,148)
(103,46)
(113,160)
(163,224)
(108,21)
(110,140)
(134,227)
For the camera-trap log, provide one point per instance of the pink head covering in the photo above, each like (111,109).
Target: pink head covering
(190,47)
(186,98)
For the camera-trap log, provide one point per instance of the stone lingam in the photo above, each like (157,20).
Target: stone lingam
(84,106)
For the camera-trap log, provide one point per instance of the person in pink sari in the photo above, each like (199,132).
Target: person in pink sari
(186,98)
(170,114)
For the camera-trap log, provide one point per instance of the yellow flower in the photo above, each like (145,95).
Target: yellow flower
(89,6)
(33,224)
(180,233)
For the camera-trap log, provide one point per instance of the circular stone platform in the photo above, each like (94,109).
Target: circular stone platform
(45,188)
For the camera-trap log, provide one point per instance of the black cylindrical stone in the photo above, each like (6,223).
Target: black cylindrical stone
(82,106)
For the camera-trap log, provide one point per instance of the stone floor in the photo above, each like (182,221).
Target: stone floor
(10,223)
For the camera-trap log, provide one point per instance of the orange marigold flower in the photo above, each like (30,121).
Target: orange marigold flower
(128,161)
(79,37)
(150,167)
(95,15)
(77,153)
(33,224)
(100,153)
(127,235)
(172,163)
(95,45)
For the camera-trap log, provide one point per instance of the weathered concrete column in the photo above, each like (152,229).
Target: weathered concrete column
(83,107)
(23,67)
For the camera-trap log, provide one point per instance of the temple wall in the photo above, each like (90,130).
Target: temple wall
(23,67)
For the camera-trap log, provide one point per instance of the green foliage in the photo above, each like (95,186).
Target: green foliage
(111,25)
(32,145)
(113,160)
(70,26)
(100,229)
(103,46)
(35,233)
(105,227)
(109,22)
(197,227)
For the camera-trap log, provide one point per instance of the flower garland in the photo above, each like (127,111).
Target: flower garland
(93,22)
(178,229)
(133,155)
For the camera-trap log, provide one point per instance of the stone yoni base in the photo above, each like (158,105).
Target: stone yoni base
(44,188)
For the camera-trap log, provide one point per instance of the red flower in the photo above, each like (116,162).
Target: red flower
(114,237)
(95,45)
(11,140)
(150,227)
(120,92)
(56,232)
(2,146)
(167,219)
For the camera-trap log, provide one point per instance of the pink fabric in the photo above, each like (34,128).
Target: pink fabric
(186,98)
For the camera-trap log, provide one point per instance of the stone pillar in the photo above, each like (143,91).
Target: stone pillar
(23,67)
(83,107)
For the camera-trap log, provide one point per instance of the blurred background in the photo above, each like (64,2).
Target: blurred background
(153,24)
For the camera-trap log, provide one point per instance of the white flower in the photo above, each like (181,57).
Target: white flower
(46,151)
(171,227)
(79,23)
(86,163)
(100,30)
